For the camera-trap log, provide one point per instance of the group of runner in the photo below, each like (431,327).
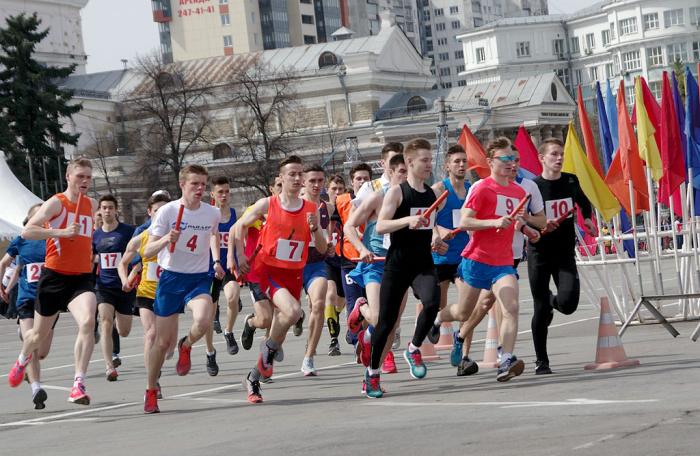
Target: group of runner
(361,249)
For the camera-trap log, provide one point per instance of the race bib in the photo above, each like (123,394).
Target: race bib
(34,272)
(419,211)
(223,241)
(288,250)
(386,241)
(110,260)
(556,208)
(84,222)
(194,243)
(456,217)
(153,272)
(505,205)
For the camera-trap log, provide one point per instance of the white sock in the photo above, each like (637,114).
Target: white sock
(35,387)
(23,360)
(79,377)
(211,353)
(367,337)
(412,348)
(506,356)
(373,372)
(437,321)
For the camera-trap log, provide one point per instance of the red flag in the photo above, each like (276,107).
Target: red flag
(588,140)
(528,152)
(476,157)
(671,148)
(653,110)
(627,165)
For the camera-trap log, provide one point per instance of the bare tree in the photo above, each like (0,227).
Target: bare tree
(101,147)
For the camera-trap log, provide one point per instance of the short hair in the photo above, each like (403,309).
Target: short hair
(158,197)
(360,167)
(455,149)
(336,179)
(81,161)
(314,168)
(396,160)
(543,146)
(292,159)
(220,180)
(499,143)
(192,169)
(415,144)
(108,198)
(391,147)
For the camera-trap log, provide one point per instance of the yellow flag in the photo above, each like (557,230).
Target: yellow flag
(576,162)
(648,149)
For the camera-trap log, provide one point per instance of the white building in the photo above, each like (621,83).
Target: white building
(63,45)
(364,17)
(609,40)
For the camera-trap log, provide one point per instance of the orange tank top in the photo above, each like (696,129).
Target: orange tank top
(71,255)
(344,204)
(286,235)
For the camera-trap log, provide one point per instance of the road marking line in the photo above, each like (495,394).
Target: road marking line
(506,404)
(42,419)
(594,442)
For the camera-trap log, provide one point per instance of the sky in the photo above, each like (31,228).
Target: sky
(122,29)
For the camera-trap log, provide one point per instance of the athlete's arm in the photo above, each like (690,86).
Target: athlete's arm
(4,263)
(392,201)
(34,229)
(444,233)
(469,222)
(214,242)
(257,211)
(123,267)
(317,232)
(586,209)
(15,276)
(357,218)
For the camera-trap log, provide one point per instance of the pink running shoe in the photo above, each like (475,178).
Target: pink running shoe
(389,365)
(78,395)
(355,318)
(16,375)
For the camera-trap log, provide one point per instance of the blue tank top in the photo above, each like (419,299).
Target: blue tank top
(109,247)
(448,217)
(376,243)
(30,256)
(224,228)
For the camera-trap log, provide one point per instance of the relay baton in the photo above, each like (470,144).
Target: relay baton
(177,225)
(519,207)
(435,205)
(562,218)
(374,260)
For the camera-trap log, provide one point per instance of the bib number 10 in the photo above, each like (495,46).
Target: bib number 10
(557,208)
(288,250)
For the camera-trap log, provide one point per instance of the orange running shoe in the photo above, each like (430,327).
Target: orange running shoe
(150,401)
(184,363)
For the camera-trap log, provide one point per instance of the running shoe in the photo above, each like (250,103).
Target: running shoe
(373,387)
(116,360)
(150,401)
(231,345)
(78,395)
(253,389)
(467,366)
(279,353)
(307,367)
(350,337)
(16,375)
(334,347)
(39,397)
(542,368)
(364,388)
(216,324)
(456,353)
(212,367)
(184,363)
(363,349)
(509,368)
(298,327)
(389,364)
(434,334)
(415,362)
(248,333)
(355,318)
(265,361)
(396,344)
(112,375)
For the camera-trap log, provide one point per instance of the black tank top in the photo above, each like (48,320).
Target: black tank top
(410,249)
(314,255)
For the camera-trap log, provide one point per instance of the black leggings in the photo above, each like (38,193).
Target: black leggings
(393,288)
(540,269)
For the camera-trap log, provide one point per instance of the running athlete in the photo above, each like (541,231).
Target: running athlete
(291,223)
(554,256)
(409,262)
(113,303)
(221,193)
(149,272)
(315,277)
(335,295)
(30,256)
(65,222)
(488,258)
(368,273)
(382,182)
(185,276)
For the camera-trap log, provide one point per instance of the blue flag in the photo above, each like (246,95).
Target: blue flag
(680,114)
(606,142)
(626,228)
(611,109)
(692,134)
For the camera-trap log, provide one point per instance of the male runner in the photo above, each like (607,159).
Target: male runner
(185,277)
(113,304)
(553,256)
(291,223)
(368,273)
(65,222)
(409,262)
(335,295)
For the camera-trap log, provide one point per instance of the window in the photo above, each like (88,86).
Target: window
(459,55)
(609,73)
(655,56)
(612,30)
(480,55)
(478,22)
(590,41)
(575,49)
(440,26)
(445,71)
(442,41)
(225,19)
(438,12)
(656,88)
(222,150)
(305,1)
(454,9)
(327,59)
(446,85)
(228,41)
(443,56)
(605,35)
(307,19)
(630,61)
(461,83)
(629,94)
(223,2)
(579,76)
(694,15)
(558,47)
(459,69)
(616,63)
(563,74)
(676,53)
(628,26)
(593,74)
(673,17)
(455,25)
(429,46)
(696,50)
(309,39)
(522,49)
(651,21)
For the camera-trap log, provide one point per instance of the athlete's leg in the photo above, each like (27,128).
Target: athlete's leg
(124,323)
(262,318)
(317,301)
(25,325)
(289,312)
(467,299)
(539,273)
(393,288)
(106,316)
(82,307)
(370,312)
(166,336)
(425,286)
(483,305)
(232,292)
(203,310)
(148,321)
(506,291)
(37,334)
(568,286)
(45,345)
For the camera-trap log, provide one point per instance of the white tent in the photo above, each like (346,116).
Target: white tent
(15,201)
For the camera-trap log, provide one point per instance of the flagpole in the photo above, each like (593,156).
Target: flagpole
(691,279)
(634,236)
(601,248)
(684,308)
(693,229)
(652,236)
(619,248)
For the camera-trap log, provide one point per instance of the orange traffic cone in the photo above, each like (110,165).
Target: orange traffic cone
(491,345)
(610,353)
(427,350)
(445,341)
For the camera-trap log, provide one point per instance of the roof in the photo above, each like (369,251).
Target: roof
(589,11)
(342,31)
(524,20)
(94,85)
(17,200)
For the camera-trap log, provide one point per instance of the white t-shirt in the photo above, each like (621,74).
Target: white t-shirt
(191,254)
(535,205)
(367,189)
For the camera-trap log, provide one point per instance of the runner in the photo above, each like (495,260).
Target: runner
(409,263)
(335,295)
(31,256)
(554,256)
(185,277)
(113,304)
(65,221)
(368,273)
(291,223)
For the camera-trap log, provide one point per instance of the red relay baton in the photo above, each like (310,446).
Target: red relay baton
(562,218)
(519,207)
(435,205)
(177,225)
(375,260)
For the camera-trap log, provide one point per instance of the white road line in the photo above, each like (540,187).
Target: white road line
(506,404)
(594,442)
(49,418)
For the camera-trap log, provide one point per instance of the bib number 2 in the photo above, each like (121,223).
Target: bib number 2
(34,272)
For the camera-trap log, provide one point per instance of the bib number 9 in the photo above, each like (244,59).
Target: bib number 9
(223,241)
(289,250)
(505,205)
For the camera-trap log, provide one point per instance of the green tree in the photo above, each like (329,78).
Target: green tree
(31,103)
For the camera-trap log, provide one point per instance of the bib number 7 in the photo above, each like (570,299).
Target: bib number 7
(289,250)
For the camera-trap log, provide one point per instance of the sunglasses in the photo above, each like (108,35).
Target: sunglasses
(506,158)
